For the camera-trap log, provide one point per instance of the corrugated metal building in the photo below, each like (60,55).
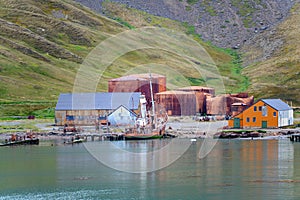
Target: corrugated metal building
(87,108)
(265,113)
(222,104)
(201,93)
(177,103)
(138,83)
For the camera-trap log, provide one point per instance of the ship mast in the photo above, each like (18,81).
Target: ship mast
(153,105)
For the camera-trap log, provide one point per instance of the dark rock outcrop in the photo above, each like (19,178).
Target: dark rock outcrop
(227,23)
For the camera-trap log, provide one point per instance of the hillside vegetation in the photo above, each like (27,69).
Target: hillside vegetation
(276,57)
(44,42)
(42,45)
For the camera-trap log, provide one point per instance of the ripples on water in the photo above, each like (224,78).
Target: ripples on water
(233,170)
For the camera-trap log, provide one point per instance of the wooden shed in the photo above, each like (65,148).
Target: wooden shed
(265,113)
(89,108)
(177,103)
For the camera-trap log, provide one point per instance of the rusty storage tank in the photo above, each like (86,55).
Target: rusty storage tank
(199,89)
(222,104)
(177,103)
(200,93)
(237,108)
(216,105)
(138,83)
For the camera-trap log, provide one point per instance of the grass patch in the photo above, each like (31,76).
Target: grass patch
(196,81)
(192,2)
(246,10)
(44,113)
(121,21)
(13,110)
(188,8)
(22,125)
(297,114)
(238,131)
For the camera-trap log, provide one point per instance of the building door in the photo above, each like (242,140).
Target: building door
(237,123)
(264,124)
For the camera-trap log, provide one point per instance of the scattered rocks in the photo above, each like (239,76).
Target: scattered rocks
(216,22)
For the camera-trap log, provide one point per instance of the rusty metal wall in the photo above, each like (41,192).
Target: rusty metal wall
(138,83)
(177,103)
(222,104)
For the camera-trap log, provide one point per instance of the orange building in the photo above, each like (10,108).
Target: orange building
(265,113)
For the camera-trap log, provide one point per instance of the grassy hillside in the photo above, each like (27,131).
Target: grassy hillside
(279,75)
(44,42)
(42,45)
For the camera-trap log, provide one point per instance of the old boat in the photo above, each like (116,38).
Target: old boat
(34,141)
(150,125)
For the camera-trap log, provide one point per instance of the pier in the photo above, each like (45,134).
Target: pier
(295,138)
(102,137)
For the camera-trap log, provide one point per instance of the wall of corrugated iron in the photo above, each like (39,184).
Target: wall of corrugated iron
(177,103)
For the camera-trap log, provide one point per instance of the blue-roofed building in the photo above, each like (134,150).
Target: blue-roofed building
(89,108)
(265,113)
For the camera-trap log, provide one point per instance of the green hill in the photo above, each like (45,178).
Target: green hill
(276,74)
(44,42)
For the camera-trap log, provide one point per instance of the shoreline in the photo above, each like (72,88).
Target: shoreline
(180,127)
(183,133)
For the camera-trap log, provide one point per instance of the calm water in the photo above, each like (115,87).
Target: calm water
(235,169)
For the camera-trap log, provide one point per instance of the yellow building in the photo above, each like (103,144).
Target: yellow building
(265,113)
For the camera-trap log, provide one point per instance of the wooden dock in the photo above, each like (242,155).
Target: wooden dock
(102,137)
(295,138)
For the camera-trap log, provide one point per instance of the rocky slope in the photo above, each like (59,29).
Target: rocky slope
(227,23)
(275,58)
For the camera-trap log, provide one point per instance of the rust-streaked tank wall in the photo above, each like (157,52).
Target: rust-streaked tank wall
(177,103)
(222,104)
(138,83)
(201,94)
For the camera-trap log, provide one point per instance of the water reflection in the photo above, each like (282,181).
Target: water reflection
(234,169)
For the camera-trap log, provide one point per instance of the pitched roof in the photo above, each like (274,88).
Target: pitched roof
(98,101)
(121,106)
(277,104)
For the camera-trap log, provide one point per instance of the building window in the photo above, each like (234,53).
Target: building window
(274,114)
(254,119)
(255,108)
(259,108)
(248,119)
(264,111)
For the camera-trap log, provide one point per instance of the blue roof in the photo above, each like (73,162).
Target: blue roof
(98,101)
(277,104)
